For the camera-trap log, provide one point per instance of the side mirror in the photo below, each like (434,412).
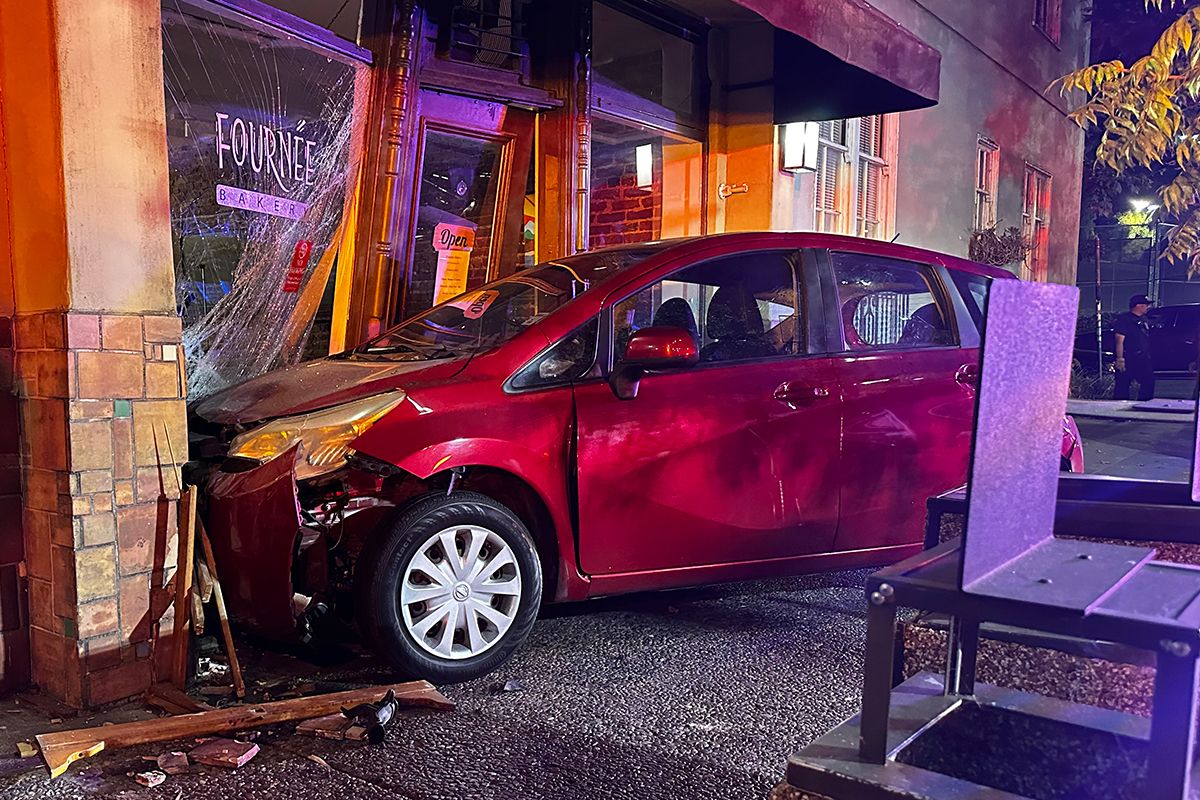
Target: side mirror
(652,349)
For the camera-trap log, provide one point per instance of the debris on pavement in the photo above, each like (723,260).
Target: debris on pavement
(211,668)
(173,762)
(374,717)
(26,750)
(224,753)
(511,685)
(150,778)
(333,726)
(59,749)
(316,759)
(167,697)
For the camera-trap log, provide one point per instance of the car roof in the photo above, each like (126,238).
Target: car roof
(728,243)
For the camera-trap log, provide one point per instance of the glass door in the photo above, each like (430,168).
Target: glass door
(468,208)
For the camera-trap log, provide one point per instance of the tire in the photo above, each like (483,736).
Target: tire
(408,589)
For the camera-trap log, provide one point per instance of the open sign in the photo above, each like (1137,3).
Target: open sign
(474,305)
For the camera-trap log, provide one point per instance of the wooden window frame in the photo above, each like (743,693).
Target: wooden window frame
(987,181)
(1047,18)
(1035,222)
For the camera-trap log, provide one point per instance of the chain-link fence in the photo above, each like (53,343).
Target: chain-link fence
(1126,260)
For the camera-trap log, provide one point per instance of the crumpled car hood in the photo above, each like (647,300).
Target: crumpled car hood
(310,386)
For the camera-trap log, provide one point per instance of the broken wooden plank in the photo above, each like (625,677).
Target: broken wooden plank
(61,748)
(235,668)
(332,726)
(183,585)
(174,701)
(204,582)
(197,612)
(224,753)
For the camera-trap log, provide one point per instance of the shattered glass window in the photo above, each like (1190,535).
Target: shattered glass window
(262,154)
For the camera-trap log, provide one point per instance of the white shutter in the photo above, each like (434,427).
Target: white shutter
(829,161)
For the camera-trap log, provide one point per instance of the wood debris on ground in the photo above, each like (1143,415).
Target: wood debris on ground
(61,748)
(26,750)
(150,778)
(316,759)
(332,726)
(224,753)
(173,762)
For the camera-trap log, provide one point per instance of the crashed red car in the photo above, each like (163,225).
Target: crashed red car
(642,417)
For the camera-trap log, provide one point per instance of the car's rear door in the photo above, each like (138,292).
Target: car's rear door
(733,460)
(907,372)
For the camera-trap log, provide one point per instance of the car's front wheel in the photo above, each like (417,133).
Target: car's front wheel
(451,588)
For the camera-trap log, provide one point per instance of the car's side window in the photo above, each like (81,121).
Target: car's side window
(890,304)
(974,289)
(566,361)
(738,308)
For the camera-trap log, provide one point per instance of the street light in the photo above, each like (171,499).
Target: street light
(1147,207)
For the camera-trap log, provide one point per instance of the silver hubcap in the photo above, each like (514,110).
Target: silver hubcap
(460,592)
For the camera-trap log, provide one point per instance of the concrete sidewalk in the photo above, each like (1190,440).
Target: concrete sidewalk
(1158,410)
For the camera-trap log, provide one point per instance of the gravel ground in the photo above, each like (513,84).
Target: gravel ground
(697,693)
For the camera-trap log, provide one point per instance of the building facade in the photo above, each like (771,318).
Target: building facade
(198,191)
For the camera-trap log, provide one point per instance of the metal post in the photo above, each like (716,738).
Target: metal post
(1155,277)
(877,680)
(1172,730)
(1099,315)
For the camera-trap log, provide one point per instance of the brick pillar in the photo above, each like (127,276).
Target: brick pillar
(98,368)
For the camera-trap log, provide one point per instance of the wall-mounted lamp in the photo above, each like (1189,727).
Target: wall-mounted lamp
(800,142)
(644,158)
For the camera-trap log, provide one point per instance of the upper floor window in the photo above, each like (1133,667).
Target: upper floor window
(987,172)
(1047,18)
(1036,223)
(646,68)
(490,33)
(853,186)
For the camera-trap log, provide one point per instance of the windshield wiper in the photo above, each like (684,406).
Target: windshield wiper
(424,351)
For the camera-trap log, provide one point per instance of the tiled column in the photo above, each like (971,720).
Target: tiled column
(98,372)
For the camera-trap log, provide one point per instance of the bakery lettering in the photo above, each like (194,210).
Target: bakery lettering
(283,155)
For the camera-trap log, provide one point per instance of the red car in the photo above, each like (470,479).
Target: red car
(641,417)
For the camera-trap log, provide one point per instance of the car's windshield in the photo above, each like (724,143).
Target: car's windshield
(489,316)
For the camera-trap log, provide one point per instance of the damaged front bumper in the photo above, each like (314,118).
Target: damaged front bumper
(286,548)
(255,523)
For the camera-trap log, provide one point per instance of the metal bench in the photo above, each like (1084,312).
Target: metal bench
(1010,569)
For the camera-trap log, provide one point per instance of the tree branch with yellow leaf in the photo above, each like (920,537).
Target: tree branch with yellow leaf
(1149,115)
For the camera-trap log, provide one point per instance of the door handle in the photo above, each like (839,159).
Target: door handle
(794,395)
(967,375)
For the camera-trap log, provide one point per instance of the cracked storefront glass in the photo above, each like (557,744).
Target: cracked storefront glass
(262,152)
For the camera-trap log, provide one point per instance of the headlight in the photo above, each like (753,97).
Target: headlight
(324,436)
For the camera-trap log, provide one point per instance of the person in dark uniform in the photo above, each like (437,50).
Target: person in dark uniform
(1132,334)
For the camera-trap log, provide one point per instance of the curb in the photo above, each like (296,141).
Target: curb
(1108,409)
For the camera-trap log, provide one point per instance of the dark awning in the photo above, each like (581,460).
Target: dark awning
(836,59)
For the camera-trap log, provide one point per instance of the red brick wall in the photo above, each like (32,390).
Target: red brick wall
(14,619)
(621,212)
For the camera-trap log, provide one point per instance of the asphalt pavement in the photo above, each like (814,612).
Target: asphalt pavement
(691,694)
(697,693)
